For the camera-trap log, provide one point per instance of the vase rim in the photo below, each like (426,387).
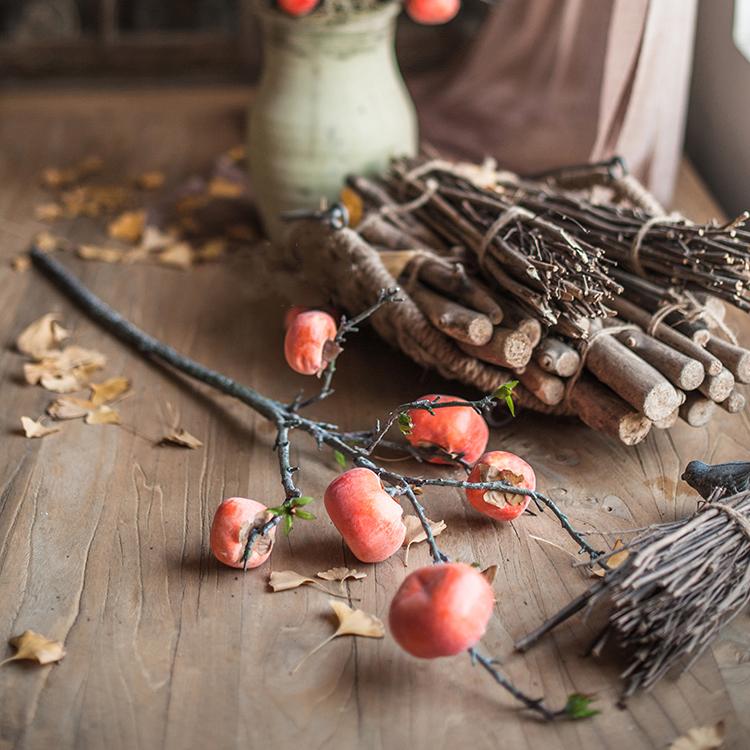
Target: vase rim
(354,21)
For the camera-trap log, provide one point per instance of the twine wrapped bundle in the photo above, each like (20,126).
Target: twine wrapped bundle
(576,283)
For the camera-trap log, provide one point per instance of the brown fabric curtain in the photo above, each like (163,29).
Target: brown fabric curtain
(553,82)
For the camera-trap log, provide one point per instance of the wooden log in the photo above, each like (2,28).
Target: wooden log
(507,348)
(454,320)
(549,389)
(528,325)
(452,279)
(718,387)
(697,410)
(735,358)
(604,411)
(557,357)
(627,310)
(683,371)
(668,421)
(631,378)
(735,402)
(377,231)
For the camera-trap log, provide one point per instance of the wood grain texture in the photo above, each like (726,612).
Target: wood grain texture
(104,536)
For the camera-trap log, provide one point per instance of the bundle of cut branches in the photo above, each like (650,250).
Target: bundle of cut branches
(531,276)
(680,583)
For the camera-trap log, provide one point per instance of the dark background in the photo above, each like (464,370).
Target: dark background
(172,40)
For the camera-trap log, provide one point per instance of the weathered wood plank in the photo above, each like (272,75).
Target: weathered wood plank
(103,535)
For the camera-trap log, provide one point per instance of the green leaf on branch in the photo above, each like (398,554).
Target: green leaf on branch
(340,459)
(579,706)
(300,501)
(288,523)
(505,393)
(405,424)
(305,515)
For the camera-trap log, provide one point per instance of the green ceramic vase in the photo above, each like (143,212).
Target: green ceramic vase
(331,102)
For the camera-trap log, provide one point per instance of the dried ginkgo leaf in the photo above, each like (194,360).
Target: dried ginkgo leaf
(103,254)
(490,573)
(221,187)
(151,180)
(20,263)
(283,580)
(48,212)
(128,226)
(33,646)
(35,428)
(416,534)
(341,575)
(613,561)
(154,239)
(103,415)
(211,250)
(64,371)
(709,737)
(41,337)
(179,255)
(109,390)
(47,242)
(351,622)
(70,407)
(182,438)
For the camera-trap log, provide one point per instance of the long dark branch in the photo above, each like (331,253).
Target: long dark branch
(286,417)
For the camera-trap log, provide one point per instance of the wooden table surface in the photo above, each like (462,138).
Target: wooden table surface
(104,536)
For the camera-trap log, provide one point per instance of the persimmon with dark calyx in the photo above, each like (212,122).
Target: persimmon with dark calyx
(431,12)
(309,341)
(233,521)
(501,466)
(441,610)
(298,7)
(365,515)
(456,430)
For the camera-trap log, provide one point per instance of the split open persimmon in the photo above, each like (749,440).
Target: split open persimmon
(309,333)
(233,521)
(501,466)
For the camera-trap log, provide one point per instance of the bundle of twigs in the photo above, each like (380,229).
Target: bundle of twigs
(680,583)
(530,276)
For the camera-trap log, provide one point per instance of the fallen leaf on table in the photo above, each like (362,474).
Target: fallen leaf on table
(341,575)
(47,242)
(283,580)
(150,180)
(64,371)
(35,428)
(182,438)
(416,534)
(20,263)
(41,337)
(351,622)
(612,562)
(221,187)
(179,255)
(103,415)
(490,573)
(70,407)
(48,212)
(211,250)
(154,239)
(709,737)
(128,226)
(54,177)
(33,646)
(109,390)
(103,254)
(237,153)
(94,200)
